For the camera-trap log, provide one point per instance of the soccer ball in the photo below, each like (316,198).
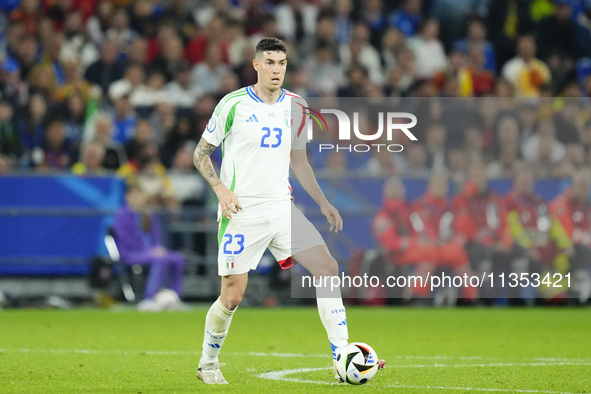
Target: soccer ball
(357,363)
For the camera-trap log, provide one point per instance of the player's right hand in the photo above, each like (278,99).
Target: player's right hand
(228,201)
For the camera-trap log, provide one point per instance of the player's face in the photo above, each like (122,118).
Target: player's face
(270,67)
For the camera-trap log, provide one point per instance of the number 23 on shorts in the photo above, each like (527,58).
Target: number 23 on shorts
(238,239)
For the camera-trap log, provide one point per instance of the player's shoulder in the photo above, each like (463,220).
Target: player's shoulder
(295,98)
(230,100)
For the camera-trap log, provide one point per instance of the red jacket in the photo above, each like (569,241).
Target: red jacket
(436,215)
(574,217)
(391,226)
(480,217)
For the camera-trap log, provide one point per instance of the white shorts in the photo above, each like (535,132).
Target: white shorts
(244,240)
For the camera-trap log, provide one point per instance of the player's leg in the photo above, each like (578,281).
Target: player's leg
(217,324)
(241,247)
(320,263)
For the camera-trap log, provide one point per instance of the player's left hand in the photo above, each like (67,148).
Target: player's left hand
(333,217)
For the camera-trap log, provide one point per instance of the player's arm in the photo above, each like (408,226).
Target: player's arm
(303,171)
(202,161)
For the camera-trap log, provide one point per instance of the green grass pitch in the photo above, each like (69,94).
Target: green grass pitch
(285,350)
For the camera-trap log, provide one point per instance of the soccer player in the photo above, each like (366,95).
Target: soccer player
(254,126)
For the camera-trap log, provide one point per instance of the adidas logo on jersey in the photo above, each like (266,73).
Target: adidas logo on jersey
(253,118)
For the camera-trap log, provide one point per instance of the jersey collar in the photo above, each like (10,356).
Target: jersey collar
(256,98)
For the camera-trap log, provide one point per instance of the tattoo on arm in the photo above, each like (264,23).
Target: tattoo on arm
(203,163)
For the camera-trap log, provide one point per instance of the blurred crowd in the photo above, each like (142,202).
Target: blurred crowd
(538,248)
(98,86)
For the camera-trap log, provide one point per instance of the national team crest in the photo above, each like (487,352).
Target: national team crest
(287,117)
(230,262)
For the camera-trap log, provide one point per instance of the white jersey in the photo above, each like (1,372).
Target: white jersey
(256,139)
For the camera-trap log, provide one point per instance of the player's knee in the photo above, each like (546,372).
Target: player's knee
(233,299)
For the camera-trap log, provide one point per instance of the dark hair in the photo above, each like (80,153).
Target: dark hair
(271,44)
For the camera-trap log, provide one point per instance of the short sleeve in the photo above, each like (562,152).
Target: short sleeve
(301,117)
(219,125)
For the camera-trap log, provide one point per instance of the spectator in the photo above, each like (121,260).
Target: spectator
(506,21)
(10,144)
(474,144)
(74,83)
(162,121)
(360,51)
(28,15)
(124,117)
(75,118)
(182,134)
(210,37)
(482,80)
(11,86)
(394,231)
(115,155)
(55,52)
(435,147)
(181,91)
(480,220)
(179,12)
(139,240)
(107,69)
(326,75)
(546,131)
(476,36)
(403,75)
(134,79)
(325,33)
(416,159)
(151,177)
(296,20)
(98,24)
(119,32)
(141,138)
(57,154)
(557,34)
(207,75)
(138,52)
(358,79)
(428,50)
(237,42)
(31,129)
(27,55)
(380,165)
(432,219)
(538,238)
(373,16)
(169,59)
(457,166)
(392,43)
(343,23)
(206,12)
(526,73)
(571,209)
(189,187)
(408,18)
(77,42)
(584,30)
(505,167)
(92,158)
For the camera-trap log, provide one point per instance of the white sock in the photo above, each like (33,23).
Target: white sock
(334,319)
(217,323)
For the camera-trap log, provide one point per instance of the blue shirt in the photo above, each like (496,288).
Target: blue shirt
(124,128)
(406,23)
(489,53)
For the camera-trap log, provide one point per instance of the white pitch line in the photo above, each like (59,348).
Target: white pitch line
(282,376)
